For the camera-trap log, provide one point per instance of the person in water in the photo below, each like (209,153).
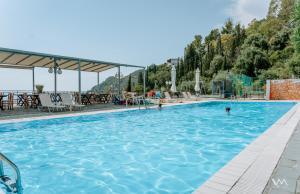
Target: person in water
(159,105)
(228,110)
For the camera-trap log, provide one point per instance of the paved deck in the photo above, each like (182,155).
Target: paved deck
(19,113)
(286,176)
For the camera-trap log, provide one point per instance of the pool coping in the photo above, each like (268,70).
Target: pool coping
(45,117)
(250,170)
(76,114)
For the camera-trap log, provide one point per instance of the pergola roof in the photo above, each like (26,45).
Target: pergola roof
(11,58)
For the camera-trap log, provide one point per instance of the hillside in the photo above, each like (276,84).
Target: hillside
(106,85)
(265,49)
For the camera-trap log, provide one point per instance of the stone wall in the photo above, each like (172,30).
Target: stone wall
(288,89)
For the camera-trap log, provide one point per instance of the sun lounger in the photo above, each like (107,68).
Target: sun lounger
(168,98)
(186,96)
(193,97)
(48,104)
(68,101)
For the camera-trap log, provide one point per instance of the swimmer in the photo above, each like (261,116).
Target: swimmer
(228,110)
(159,106)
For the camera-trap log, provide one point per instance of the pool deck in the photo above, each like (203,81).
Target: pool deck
(286,176)
(252,170)
(255,170)
(19,114)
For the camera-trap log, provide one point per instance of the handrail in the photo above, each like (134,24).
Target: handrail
(16,170)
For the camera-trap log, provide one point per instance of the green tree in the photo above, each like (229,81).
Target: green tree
(140,78)
(294,62)
(296,36)
(280,40)
(219,47)
(200,51)
(256,40)
(228,27)
(287,8)
(128,89)
(216,64)
(251,61)
(138,89)
(274,8)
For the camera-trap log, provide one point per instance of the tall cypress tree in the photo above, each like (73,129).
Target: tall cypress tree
(219,48)
(129,84)
(140,78)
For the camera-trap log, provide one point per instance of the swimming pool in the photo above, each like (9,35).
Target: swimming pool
(174,150)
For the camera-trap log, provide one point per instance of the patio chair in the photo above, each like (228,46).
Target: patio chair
(48,104)
(67,100)
(116,100)
(10,101)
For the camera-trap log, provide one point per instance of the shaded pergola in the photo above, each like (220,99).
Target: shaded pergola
(19,59)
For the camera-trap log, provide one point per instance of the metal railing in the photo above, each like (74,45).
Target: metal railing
(3,158)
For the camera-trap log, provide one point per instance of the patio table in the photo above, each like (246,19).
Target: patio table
(1,101)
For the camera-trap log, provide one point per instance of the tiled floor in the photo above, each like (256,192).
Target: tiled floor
(286,177)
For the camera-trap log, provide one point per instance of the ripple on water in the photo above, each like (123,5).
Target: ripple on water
(170,151)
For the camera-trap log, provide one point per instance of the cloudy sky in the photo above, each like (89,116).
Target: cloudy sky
(138,32)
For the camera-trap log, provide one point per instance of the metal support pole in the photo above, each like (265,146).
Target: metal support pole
(55,81)
(79,82)
(98,80)
(144,82)
(119,81)
(1,168)
(33,81)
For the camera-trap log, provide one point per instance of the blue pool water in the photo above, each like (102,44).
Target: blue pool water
(148,151)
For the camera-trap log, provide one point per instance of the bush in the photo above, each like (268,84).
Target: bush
(187,86)
(138,89)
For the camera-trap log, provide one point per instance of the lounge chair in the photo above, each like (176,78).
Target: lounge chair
(48,104)
(68,101)
(186,96)
(168,98)
(193,97)
(167,95)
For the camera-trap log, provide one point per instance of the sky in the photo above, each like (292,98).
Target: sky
(136,32)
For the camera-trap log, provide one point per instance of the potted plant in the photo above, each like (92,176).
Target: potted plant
(39,88)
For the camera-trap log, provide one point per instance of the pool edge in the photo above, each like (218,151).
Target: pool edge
(251,169)
(46,117)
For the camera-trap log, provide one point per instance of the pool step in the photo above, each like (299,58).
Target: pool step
(10,185)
